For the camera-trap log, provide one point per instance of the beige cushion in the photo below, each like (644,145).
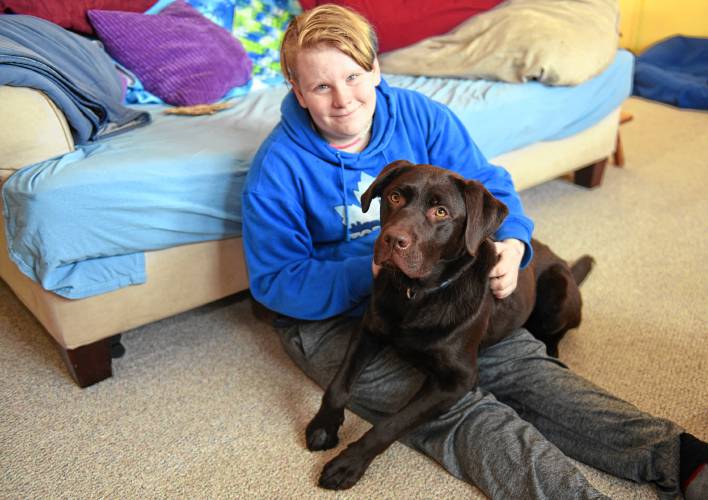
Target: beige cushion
(179,278)
(32,129)
(557,42)
(545,160)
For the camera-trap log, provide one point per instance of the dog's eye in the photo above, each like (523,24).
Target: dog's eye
(440,212)
(395,198)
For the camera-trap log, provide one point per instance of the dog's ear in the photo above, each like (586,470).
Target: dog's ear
(484,215)
(390,172)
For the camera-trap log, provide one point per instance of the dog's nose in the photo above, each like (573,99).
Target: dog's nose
(397,240)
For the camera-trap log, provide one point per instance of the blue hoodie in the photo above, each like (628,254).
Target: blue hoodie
(308,245)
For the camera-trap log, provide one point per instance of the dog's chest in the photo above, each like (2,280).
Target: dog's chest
(410,324)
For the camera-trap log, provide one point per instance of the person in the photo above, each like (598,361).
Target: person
(309,251)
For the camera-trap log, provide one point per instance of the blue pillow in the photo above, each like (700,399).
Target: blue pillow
(219,11)
(674,71)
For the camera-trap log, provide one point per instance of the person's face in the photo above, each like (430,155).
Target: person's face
(339,94)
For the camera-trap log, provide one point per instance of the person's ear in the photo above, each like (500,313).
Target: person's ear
(377,71)
(298,94)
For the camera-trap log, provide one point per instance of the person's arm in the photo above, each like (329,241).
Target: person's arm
(450,146)
(284,275)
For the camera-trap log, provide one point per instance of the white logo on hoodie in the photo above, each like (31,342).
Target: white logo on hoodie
(360,223)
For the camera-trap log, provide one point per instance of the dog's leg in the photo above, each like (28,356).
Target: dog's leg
(552,343)
(558,304)
(321,433)
(430,401)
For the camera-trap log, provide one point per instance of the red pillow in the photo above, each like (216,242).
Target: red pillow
(72,14)
(399,23)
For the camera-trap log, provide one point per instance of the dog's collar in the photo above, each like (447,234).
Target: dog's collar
(412,291)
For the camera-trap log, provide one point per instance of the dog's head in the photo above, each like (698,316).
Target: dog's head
(429,215)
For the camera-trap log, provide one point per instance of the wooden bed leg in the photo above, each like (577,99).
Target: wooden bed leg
(618,155)
(90,363)
(590,176)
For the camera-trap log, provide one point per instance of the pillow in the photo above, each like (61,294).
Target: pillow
(674,71)
(219,11)
(178,54)
(553,41)
(260,26)
(399,23)
(71,15)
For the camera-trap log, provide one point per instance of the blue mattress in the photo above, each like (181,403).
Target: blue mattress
(80,224)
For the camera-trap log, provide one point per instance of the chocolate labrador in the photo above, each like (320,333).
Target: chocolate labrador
(432,302)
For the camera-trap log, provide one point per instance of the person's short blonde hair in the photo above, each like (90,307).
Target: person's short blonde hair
(331,25)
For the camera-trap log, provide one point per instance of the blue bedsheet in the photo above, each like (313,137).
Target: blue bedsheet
(79,224)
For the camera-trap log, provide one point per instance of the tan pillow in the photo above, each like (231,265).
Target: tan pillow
(557,42)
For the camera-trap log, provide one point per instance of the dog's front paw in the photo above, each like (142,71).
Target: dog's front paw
(344,471)
(321,432)
(319,439)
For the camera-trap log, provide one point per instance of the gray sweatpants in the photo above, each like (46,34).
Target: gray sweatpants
(513,435)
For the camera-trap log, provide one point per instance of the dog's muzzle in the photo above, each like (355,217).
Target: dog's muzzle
(398,248)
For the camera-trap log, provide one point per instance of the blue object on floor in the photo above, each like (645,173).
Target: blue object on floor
(674,71)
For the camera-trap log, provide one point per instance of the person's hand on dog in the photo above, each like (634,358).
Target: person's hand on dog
(504,275)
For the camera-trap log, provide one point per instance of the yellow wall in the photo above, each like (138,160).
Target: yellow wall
(644,22)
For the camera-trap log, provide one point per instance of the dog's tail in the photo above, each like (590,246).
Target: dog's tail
(581,268)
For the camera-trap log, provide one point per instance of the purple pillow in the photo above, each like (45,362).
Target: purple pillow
(179,55)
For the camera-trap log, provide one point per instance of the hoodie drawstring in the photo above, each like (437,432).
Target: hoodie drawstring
(347,236)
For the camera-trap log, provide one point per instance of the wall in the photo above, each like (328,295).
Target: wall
(644,22)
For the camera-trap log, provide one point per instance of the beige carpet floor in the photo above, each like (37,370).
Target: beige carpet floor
(206,405)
